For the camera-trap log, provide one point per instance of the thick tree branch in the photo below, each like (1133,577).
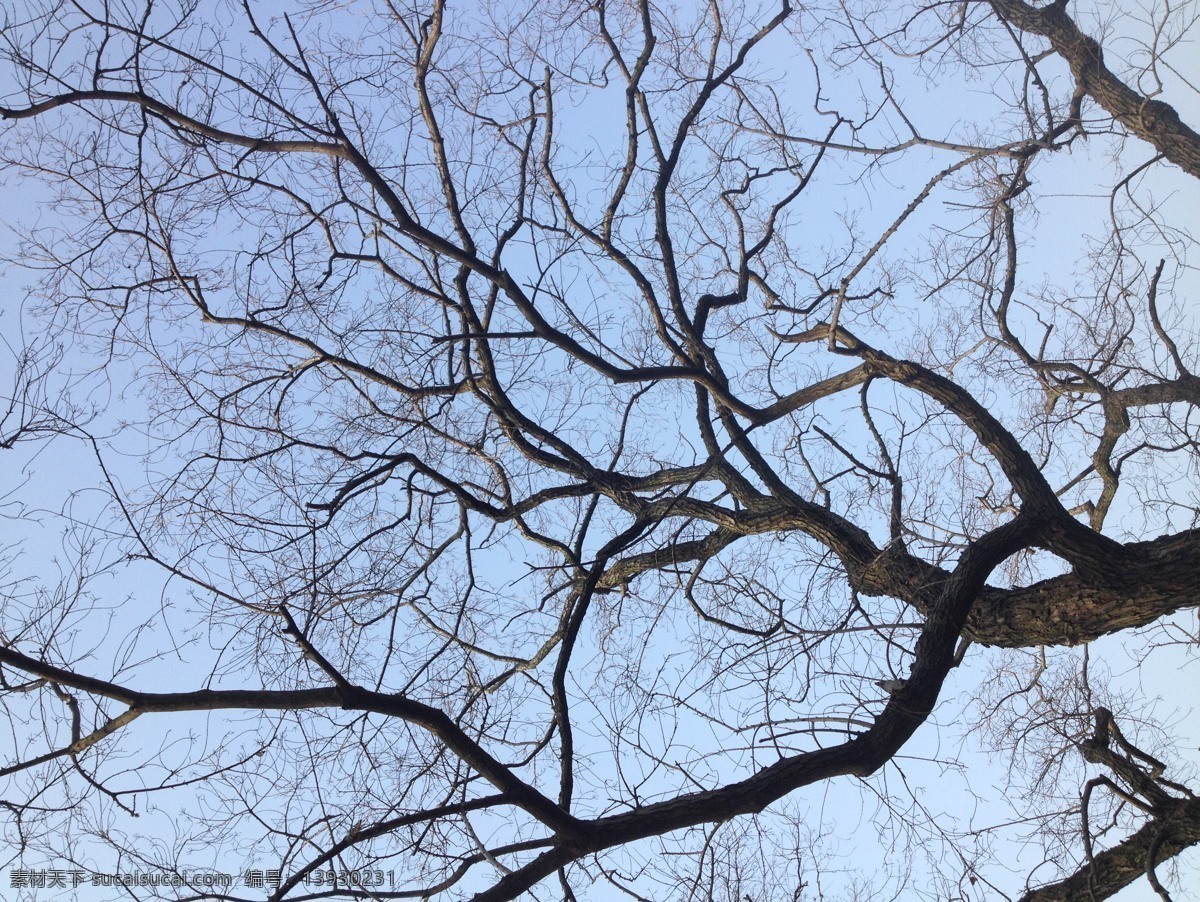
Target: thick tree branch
(1150,119)
(1114,869)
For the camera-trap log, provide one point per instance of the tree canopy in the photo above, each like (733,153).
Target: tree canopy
(542,448)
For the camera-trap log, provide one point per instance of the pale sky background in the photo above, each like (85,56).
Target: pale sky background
(44,477)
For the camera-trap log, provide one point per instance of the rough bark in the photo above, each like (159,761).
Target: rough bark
(1116,868)
(1150,119)
(1158,579)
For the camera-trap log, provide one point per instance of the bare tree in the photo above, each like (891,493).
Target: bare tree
(534,444)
